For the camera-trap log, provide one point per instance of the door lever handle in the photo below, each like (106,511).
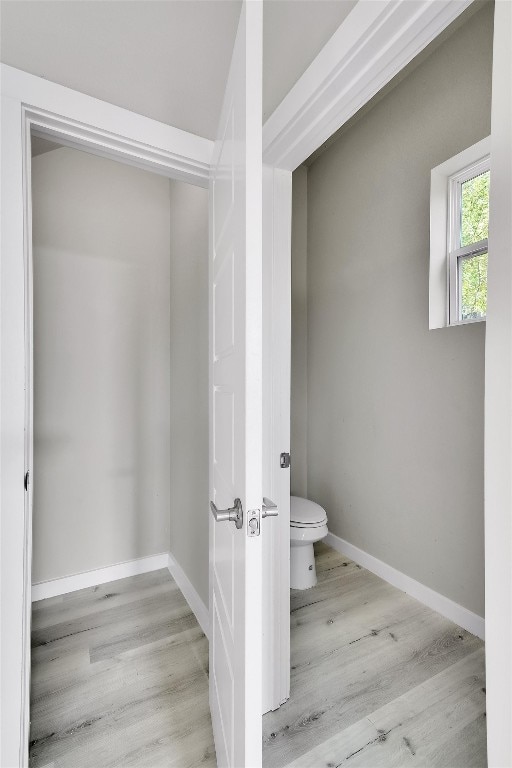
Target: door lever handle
(234,514)
(269,509)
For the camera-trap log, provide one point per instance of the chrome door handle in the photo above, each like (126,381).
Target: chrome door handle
(234,514)
(269,509)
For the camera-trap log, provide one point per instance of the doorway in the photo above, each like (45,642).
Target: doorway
(360,395)
(120,269)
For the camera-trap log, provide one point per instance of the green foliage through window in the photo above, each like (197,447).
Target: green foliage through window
(473,282)
(474,209)
(474,227)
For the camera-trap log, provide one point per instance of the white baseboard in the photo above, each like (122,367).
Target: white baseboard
(77,581)
(443,605)
(198,608)
(67,584)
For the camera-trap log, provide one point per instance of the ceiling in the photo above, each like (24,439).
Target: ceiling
(166,59)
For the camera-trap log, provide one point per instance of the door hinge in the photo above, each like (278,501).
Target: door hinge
(27,480)
(284,460)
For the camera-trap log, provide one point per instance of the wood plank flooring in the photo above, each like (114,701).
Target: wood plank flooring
(377,680)
(120,679)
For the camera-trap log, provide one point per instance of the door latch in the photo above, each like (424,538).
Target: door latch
(284,460)
(253,522)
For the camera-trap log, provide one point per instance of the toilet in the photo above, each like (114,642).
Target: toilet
(308,523)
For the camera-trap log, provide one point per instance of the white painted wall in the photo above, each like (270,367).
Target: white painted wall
(101,234)
(189,382)
(299,353)
(395,411)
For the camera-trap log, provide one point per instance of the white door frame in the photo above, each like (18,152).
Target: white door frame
(277,209)
(498,408)
(80,121)
(373,44)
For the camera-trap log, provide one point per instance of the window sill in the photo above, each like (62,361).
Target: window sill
(470,321)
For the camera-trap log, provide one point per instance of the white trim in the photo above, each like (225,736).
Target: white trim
(376,41)
(67,584)
(189,592)
(277,203)
(63,586)
(498,406)
(443,605)
(29,442)
(441,228)
(80,121)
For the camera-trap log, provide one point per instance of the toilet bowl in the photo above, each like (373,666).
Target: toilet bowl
(308,523)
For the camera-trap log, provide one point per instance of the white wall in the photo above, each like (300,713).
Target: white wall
(189,382)
(395,411)
(101,233)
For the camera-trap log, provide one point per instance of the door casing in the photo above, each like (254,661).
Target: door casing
(277,209)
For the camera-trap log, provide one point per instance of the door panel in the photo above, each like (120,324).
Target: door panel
(236,404)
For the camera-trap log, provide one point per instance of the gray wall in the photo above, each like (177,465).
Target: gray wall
(101,363)
(189,382)
(299,378)
(395,411)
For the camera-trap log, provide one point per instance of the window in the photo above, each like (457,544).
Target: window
(469,227)
(459,223)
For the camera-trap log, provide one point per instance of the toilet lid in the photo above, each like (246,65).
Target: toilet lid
(306,512)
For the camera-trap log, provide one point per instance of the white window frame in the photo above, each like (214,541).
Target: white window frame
(445,253)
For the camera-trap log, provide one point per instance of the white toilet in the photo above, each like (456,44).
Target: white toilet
(308,523)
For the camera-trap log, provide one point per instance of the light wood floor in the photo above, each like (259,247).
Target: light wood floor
(377,680)
(119,678)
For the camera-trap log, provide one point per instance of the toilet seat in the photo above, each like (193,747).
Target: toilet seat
(306,514)
(308,525)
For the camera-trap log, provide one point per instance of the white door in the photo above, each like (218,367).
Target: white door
(236,406)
